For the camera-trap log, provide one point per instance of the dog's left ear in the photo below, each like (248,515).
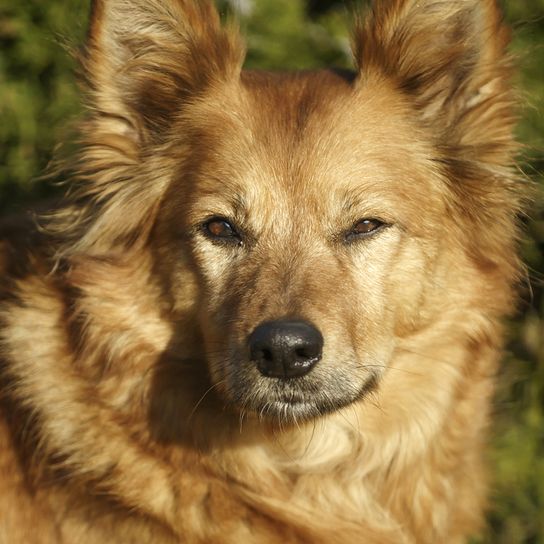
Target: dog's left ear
(449,58)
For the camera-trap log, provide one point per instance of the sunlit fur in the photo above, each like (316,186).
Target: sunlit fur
(131,410)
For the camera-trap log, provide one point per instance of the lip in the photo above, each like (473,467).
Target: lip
(296,407)
(291,411)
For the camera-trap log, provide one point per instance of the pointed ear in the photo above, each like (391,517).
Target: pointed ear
(144,58)
(145,61)
(449,57)
(449,60)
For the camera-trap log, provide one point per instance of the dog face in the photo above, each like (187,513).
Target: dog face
(307,227)
(297,221)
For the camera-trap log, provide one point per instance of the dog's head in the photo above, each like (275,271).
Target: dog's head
(303,220)
(306,222)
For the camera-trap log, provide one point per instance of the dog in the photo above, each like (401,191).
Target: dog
(269,309)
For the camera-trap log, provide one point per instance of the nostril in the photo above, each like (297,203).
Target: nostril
(267,354)
(303,353)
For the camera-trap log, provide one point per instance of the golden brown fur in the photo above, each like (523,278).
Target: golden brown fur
(130,410)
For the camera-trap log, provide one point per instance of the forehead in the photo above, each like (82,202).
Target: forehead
(319,133)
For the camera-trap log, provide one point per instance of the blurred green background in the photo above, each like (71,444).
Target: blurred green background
(38,99)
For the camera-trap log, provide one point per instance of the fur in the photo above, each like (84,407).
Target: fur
(129,409)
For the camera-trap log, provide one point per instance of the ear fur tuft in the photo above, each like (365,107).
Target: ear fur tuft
(144,62)
(145,57)
(450,59)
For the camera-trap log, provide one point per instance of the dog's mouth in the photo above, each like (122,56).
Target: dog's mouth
(295,400)
(284,371)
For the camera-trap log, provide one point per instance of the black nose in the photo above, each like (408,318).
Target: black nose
(285,349)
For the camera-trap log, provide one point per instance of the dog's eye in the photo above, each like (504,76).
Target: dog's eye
(219,229)
(364,228)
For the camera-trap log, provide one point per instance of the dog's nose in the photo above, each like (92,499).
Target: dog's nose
(285,349)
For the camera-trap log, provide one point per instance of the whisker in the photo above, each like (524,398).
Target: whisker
(387,367)
(307,448)
(426,356)
(196,406)
(241,419)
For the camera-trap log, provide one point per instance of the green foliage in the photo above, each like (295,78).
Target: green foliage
(280,36)
(37,91)
(38,98)
(518,453)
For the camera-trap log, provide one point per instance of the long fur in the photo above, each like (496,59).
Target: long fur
(129,413)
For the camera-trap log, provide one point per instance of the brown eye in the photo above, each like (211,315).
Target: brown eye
(220,230)
(364,228)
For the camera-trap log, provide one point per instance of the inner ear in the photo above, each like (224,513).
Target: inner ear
(145,59)
(442,54)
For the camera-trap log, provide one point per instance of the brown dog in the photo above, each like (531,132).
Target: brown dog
(270,312)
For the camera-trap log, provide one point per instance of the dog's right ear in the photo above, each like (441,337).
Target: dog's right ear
(144,58)
(144,62)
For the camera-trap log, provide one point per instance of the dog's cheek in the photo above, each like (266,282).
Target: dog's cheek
(392,275)
(223,282)
(216,267)
(369,305)
(409,285)
(185,290)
